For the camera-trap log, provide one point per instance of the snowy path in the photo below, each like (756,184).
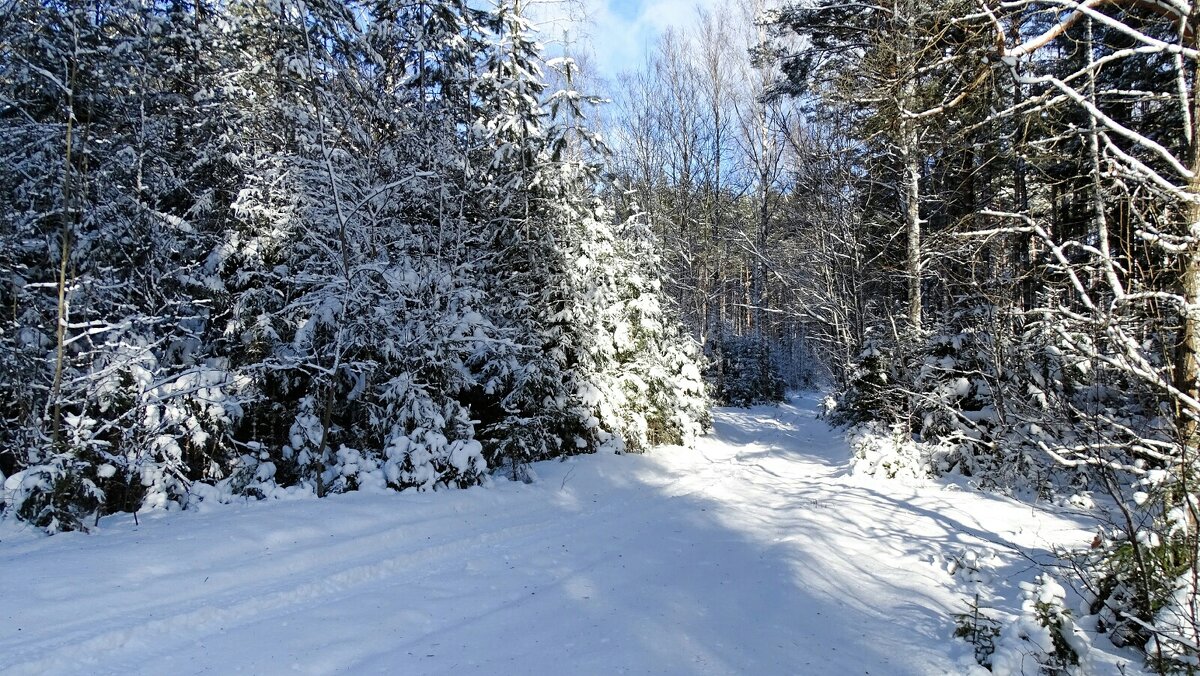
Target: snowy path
(753,554)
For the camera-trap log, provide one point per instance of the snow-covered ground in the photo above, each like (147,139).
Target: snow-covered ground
(756,553)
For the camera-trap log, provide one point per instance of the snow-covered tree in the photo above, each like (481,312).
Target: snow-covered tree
(269,245)
(110,208)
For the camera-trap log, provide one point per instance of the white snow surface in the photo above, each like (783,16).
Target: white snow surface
(755,553)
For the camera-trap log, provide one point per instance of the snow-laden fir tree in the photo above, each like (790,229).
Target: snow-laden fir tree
(613,369)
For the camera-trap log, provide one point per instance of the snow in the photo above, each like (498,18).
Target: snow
(756,553)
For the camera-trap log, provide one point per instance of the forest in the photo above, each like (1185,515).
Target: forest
(261,248)
(976,223)
(264,247)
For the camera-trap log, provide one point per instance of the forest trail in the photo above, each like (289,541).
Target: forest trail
(756,553)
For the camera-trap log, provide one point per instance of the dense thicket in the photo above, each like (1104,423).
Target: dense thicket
(267,246)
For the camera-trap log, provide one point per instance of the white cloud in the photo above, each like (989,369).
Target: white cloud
(617,33)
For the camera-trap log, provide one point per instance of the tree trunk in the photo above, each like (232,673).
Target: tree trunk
(1187,349)
(909,155)
(912,223)
(68,225)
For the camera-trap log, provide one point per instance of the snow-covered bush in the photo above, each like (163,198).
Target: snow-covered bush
(1174,646)
(1044,638)
(976,627)
(955,380)
(749,374)
(59,495)
(1143,588)
(968,393)
(891,452)
(871,393)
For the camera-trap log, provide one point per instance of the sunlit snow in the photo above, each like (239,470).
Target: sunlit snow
(756,553)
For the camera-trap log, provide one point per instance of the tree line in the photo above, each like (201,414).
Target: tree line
(269,246)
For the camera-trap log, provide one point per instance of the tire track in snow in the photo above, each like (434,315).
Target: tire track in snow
(242,602)
(757,553)
(328,578)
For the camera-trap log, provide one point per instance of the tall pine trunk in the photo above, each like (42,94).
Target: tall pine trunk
(1187,349)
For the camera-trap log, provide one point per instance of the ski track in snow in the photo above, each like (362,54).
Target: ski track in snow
(755,553)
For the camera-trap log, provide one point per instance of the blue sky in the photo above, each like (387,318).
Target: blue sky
(620,32)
